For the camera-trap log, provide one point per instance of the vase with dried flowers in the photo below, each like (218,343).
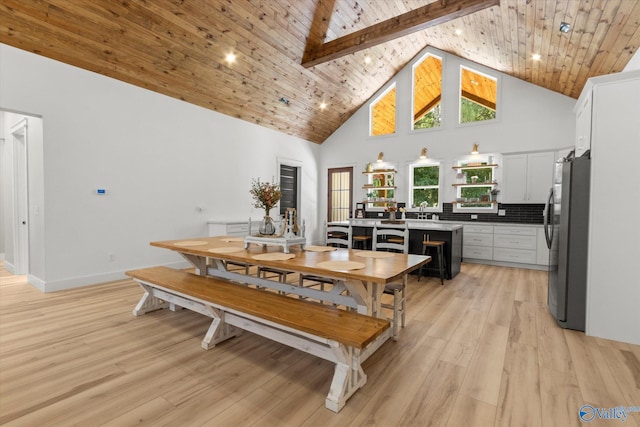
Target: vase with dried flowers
(265,196)
(392,211)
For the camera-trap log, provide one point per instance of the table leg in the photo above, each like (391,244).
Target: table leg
(361,294)
(199,262)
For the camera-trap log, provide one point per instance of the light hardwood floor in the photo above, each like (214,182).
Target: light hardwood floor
(480,351)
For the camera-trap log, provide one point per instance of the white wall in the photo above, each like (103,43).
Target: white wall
(530,118)
(158,158)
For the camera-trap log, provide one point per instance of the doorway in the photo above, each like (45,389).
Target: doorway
(21,197)
(340,194)
(289,187)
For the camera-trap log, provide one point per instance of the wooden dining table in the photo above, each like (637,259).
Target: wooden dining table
(359,276)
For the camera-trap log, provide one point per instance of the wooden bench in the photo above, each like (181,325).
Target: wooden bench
(333,334)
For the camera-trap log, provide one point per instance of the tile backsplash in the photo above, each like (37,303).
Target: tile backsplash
(514,213)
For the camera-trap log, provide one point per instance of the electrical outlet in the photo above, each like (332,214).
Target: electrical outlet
(474,216)
(502,212)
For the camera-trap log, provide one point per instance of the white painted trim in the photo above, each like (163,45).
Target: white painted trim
(36,282)
(96,279)
(9,267)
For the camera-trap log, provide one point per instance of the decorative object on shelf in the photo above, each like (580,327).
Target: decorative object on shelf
(474,179)
(423,153)
(404,213)
(369,168)
(265,196)
(392,211)
(380,157)
(474,150)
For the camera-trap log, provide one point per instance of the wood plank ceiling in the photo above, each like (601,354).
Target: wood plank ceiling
(178,48)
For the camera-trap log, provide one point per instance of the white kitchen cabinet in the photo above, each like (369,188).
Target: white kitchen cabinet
(515,244)
(583,125)
(505,244)
(527,177)
(477,242)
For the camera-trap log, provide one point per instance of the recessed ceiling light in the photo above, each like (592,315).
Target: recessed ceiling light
(367,59)
(458,31)
(230,58)
(323,105)
(536,57)
(565,27)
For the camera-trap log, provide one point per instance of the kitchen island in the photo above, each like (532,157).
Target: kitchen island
(451,233)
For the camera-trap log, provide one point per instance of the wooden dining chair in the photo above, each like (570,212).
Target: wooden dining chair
(338,234)
(392,238)
(397,289)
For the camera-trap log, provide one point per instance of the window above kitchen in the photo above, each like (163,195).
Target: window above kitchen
(478,96)
(425,186)
(383,113)
(476,186)
(427,92)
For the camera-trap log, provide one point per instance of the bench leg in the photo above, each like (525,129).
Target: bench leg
(218,330)
(348,376)
(148,302)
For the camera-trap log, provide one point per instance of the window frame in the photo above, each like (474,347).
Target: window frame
(498,81)
(457,208)
(426,163)
(442,97)
(372,104)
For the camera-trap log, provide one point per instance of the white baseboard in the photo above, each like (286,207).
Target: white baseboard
(9,267)
(78,282)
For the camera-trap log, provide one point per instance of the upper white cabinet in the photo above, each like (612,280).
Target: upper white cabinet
(527,177)
(583,125)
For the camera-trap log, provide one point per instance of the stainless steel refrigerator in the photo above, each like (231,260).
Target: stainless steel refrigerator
(566,220)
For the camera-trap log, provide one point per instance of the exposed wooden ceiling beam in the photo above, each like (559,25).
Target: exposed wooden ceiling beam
(416,20)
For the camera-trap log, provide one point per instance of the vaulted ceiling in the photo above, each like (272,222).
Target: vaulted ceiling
(178,48)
